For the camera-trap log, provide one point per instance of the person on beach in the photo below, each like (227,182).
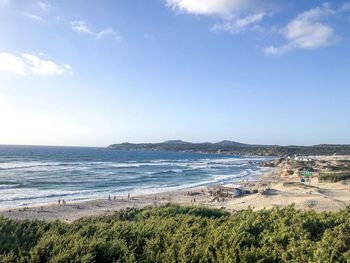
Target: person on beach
(128,196)
(59,201)
(109,198)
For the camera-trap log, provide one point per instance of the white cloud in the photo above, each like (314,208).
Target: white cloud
(271,50)
(45,6)
(43,67)
(108,32)
(239,24)
(34,17)
(12,63)
(306,31)
(30,64)
(82,27)
(236,15)
(209,7)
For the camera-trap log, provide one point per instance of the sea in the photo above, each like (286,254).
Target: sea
(31,175)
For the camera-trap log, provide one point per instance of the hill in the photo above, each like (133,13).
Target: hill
(232,147)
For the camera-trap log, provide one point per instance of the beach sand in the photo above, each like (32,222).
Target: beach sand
(275,189)
(75,210)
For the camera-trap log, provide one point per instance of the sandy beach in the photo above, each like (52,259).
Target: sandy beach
(275,189)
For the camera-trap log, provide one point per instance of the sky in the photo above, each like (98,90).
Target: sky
(93,73)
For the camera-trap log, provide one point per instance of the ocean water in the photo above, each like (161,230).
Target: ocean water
(39,175)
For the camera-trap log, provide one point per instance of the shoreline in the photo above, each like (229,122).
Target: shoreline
(279,187)
(77,209)
(139,192)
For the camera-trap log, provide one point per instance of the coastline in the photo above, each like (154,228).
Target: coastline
(95,173)
(276,188)
(77,209)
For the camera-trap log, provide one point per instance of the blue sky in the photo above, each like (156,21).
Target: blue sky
(99,72)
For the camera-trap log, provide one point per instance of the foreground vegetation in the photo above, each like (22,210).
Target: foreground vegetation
(182,234)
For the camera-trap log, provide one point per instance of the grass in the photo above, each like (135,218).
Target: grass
(343,161)
(340,168)
(334,177)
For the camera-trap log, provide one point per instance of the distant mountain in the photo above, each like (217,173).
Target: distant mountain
(230,143)
(232,147)
(175,142)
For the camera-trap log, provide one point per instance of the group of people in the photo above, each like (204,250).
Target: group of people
(110,198)
(62,202)
(115,198)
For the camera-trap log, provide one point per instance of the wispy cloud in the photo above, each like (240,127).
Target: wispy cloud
(45,6)
(345,7)
(307,31)
(235,15)
(40,12)
(32,16)
(239,24)
(82,27)
(108,32)
(26,64)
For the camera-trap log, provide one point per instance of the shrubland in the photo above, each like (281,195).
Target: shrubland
(182,234)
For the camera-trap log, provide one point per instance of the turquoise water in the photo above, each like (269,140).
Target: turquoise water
(33,174)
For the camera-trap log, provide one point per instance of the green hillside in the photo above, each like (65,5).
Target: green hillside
(230,147)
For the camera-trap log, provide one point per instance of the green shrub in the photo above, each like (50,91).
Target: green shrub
(182,234)
(340,168)
(334,177)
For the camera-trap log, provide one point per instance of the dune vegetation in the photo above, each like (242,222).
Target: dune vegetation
(334,177)
(182,234)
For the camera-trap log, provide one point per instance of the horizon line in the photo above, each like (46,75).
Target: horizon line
(91,146)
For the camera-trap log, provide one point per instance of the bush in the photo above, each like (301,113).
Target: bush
(340,168)
(334,177)
(182,234)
